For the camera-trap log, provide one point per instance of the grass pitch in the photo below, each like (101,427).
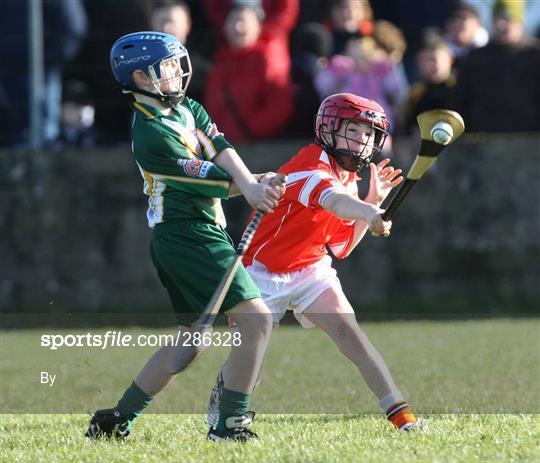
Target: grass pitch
(476,382)
(285,438)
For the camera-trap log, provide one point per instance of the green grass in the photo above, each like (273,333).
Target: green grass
(475,381)
(285,438)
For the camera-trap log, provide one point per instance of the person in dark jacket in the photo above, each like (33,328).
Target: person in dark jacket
(463,30)
(498,86)
(435,89)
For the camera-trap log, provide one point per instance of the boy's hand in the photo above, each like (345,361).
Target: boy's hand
(383,179)
(261,197)
(264,196)
(274,180)
(377,225)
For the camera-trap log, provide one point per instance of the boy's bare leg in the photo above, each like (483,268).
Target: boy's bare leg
(254,323)
(165,364)
(332,312)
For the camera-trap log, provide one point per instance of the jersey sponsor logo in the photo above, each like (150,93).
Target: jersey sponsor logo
(195,167)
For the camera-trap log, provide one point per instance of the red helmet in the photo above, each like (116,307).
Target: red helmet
(344,108)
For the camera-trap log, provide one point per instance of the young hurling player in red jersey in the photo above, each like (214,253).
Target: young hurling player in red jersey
(288,258)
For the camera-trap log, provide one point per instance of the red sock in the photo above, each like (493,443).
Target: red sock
(400,414)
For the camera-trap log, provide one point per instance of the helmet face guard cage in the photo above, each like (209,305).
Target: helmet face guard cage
(175,84)
(339,111)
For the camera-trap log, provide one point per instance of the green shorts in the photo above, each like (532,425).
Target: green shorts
(191,258)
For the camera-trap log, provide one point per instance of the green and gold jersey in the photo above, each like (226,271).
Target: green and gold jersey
(174,154)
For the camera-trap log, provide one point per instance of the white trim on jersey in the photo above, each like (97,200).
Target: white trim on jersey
(192,180)
(276,233)
(187,137)
(190,120)
(207,144)
(337,249)
(154,189)
(314,178)
(308,188)
(324,158)
(297,176)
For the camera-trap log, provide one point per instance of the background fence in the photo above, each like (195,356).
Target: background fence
(74,234)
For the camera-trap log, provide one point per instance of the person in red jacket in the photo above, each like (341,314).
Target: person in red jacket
(249,89)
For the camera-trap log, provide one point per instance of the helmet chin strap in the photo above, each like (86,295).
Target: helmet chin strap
(169,100)
(347,160)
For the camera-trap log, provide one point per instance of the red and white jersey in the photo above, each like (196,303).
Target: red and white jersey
(297,233)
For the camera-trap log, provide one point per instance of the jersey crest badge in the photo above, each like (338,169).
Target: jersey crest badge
(195,167)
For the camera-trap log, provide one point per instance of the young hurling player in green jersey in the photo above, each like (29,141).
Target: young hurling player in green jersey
(188,166)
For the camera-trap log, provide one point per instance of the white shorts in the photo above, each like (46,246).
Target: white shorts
(295,290)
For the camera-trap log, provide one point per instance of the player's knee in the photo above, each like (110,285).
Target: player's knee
(253,316)
(257,324)
(264,321)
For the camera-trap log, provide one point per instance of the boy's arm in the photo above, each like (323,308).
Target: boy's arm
(383,178)
(259,195)
(345,206)
(264,177)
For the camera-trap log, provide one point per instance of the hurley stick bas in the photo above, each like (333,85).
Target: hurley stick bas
(438,128)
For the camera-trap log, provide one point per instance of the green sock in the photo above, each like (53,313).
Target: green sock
(133,402)
(231,403)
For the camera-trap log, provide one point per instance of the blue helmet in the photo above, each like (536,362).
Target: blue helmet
(146,51)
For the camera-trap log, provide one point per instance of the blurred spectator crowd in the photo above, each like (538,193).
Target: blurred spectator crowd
(261,67)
